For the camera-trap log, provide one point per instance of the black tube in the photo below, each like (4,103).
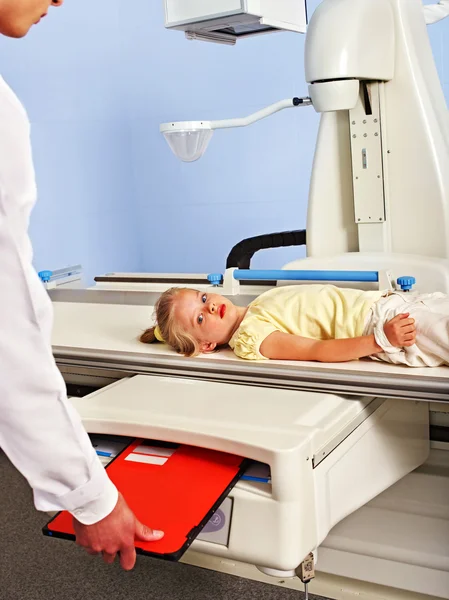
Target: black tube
(242,253)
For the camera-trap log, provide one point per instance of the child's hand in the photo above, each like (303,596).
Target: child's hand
(401,331)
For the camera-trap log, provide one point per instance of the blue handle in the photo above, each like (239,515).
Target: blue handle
(215,278)
(406,282)
(249,274)
(45,275)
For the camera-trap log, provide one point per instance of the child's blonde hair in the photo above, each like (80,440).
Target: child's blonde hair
(169,327)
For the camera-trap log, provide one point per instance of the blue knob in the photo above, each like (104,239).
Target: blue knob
(215,278)
(45,275)
(406,283)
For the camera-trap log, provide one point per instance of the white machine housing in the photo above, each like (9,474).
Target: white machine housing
(328,455)
(385,196)
(225,21)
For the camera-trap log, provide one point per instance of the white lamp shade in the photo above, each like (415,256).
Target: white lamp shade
(188,145)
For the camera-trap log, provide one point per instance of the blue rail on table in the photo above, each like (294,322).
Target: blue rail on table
(287,275)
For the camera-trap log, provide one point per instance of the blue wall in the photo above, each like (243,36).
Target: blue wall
(439,38)
(69,74)
(250,181)
(98,78)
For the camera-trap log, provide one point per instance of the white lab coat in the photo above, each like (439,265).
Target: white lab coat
(40,431)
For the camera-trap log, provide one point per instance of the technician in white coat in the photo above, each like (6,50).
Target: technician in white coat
(39,430)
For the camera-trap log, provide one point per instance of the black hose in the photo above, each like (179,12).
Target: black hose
(242,253)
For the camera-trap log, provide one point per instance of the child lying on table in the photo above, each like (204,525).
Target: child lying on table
(308,322)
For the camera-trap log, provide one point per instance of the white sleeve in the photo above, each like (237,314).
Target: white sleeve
(436,12)
(40,431)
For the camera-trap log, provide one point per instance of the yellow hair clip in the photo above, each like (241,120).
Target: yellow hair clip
(158,334)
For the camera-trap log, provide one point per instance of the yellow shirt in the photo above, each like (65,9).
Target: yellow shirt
(320,312)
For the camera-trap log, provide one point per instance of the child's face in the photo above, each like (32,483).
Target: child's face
(210,318)
(18,16)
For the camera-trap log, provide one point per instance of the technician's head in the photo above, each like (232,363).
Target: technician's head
(18,16)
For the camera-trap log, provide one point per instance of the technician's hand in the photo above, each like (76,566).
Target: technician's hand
(401,331)
(115,533)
